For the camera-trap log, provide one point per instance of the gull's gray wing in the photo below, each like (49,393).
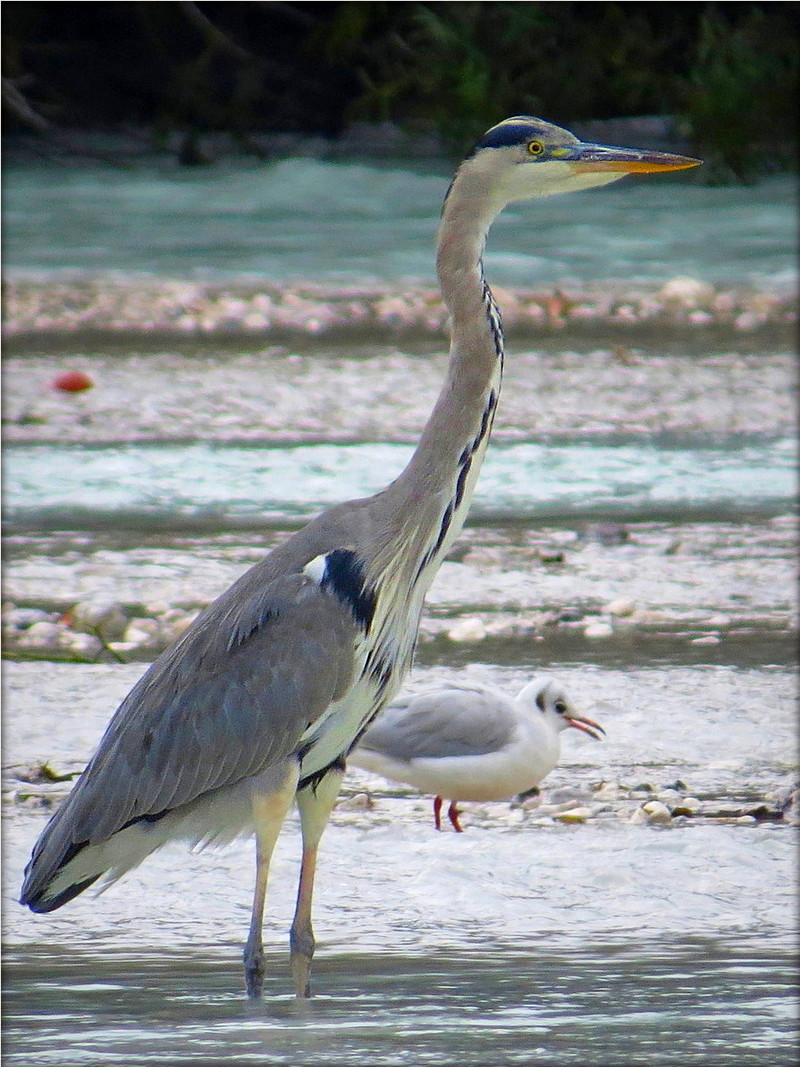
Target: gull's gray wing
(445,722)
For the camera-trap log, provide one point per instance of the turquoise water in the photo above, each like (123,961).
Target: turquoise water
(346,222)
(231,484)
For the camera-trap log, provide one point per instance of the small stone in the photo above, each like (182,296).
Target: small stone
(24,618)
(42,635)
(620,607)
(605,533)
(105,618)
(745,820)
(357,802)
(598,629)
(707,639)
(607,791)
(657,812)
(143,633)
(566,796)
(87,646)
(574,815)
(689,292)
(551,555)
(122,648)
(643,789)
(766,813)
(470,629)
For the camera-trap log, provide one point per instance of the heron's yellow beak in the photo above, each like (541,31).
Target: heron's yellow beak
(598,157)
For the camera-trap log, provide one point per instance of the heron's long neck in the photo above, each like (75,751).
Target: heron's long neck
(438,483)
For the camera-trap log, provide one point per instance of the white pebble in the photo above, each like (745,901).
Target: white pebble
(142,632)
(42,635)
(103,616)
(598,629)
(620,607)
(357,802)
(470,629)
(574,815)
(657,812)
(688,291)
(86,645)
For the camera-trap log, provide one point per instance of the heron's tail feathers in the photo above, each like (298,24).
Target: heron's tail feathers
(61,868)
(59,871)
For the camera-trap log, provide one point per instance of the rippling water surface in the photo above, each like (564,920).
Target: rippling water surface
(329,221)
(68,486)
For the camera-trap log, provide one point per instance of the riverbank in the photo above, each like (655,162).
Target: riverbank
(56,313)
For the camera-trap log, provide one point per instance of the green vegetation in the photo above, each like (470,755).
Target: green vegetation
(728,71)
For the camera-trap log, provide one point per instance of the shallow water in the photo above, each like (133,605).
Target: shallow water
(611,941)
(728,1001)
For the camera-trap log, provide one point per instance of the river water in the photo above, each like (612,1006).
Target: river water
(665,479)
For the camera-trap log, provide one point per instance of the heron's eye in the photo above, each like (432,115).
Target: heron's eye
(535,148)
(560,707)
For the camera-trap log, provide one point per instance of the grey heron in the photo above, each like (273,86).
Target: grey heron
(471,742)
(259,702)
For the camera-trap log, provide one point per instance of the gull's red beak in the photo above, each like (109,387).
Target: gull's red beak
(588,726)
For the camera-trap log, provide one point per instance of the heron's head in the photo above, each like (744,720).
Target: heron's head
(524,157)
(549,699)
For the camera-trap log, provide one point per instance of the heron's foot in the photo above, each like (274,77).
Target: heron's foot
(300,956)
(254,970)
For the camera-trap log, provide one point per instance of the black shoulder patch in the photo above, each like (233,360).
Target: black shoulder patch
(344,576)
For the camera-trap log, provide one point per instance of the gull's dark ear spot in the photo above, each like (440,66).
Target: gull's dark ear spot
(540,700)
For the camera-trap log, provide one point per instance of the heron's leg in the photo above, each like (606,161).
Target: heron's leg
(269,811)
(315,804)
(437,812)
(452,815)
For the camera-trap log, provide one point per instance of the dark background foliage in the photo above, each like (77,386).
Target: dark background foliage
(728,70)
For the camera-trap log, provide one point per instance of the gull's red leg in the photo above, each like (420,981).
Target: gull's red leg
(452,815)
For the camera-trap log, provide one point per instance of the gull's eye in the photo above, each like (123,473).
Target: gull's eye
(535,148)
(560,707)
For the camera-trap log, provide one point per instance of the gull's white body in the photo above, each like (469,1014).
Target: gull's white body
(471,742)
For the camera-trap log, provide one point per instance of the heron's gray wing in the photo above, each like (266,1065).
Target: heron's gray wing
(231,698)
(447,722)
